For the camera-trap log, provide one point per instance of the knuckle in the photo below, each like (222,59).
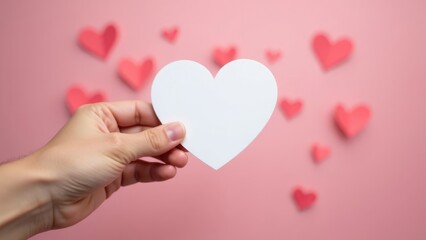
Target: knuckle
(90,107)
(118,145)
(116,140)
(119,149)
(83,108)
(154,139)
(137,176)
(113,187)
(138,115)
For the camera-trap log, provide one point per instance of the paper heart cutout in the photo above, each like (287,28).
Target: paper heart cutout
(136,75)
(222,115)
(272,55)
(304,199)
(77,96)
(98,44)
(330,54)
(223,56)
(351,122)
(291,107)
(320,152)
(170,34)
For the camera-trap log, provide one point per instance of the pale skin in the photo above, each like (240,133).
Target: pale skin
(98,151)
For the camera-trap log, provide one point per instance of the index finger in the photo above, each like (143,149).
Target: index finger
(133,113)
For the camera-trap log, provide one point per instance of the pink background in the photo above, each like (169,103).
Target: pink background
(372,187)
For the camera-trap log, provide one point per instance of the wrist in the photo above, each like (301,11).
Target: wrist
(26,207)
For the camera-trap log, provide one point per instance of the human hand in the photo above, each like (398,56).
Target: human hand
(98,151)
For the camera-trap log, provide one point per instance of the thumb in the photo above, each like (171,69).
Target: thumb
(150,142)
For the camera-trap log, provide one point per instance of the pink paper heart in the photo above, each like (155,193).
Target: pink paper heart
(99,44)
(320,152)
(170,34)
(352,121)
(291,107)
(222,56)
(304,199)
(136,75)
(76,97)
(273,55)
(331,54)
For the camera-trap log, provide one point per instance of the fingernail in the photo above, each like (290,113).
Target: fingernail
(175,131)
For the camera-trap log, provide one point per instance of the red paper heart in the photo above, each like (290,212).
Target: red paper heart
(330,54)
(304,199)
(320,152)
(98,44)
(291,107)
(76,97)
(222,56)
(136,75)
(171,34)
(351,122)
(273,56)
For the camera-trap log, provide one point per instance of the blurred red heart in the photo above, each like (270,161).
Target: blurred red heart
(291,107)
(222,56)
(136,75)
(320,152)
(331,54)
(351,122)
(304,199)
(273,56)
(76,97)
(96,43)
(171,34)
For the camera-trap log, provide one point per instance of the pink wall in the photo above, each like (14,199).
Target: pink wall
(372,187)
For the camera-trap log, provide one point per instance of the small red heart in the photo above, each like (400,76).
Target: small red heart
(170,34)
(320,152)
(291,107)
(136,75)
(304,199)
(222,56)
(331,54)
(272,56)
(76,97)
(351,122)
(98,44)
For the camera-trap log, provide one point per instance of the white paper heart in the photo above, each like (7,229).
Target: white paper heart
(222,115)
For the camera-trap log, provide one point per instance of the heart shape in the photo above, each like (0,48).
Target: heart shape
(320,152)
(303,199)
(76,97)
(222,115)
(222,56)
(171,34)
(291,107)
(273,56)
(330,54)
(98,44)
(351,122)
(135,75)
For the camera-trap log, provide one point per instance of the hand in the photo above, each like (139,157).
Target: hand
(98,151)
